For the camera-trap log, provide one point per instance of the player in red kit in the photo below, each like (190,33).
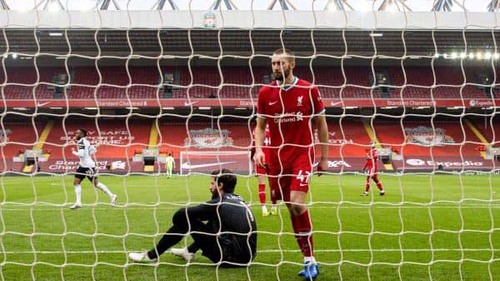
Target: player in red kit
(292,107)
(262,177)
(370,169)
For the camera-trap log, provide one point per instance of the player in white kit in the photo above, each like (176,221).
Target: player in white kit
(86,169)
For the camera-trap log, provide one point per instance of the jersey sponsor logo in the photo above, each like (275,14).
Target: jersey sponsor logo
(288,117)
(273,102)
(188,166)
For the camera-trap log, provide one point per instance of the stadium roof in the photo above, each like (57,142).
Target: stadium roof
(168,33)
(178,42)
(358,5)
(246,33)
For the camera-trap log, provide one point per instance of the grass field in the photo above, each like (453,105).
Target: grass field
(440,227)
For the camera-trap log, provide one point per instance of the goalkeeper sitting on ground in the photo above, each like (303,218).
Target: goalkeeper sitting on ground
(223,228)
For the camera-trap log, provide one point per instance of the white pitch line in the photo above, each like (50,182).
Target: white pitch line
(269,251)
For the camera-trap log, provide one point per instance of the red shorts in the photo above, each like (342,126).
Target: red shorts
(373,176)
(295,177)
(260,171)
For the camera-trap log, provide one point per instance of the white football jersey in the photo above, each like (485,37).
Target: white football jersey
(84,152)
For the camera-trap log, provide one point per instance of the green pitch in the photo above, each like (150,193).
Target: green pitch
(440,227)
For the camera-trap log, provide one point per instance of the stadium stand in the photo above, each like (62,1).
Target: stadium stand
(21,135)
(419,137)
(453,143)
(117,141)
(490,133)
(206,82)
(349,138)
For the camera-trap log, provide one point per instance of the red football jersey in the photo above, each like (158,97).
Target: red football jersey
(371,161)
(288,111)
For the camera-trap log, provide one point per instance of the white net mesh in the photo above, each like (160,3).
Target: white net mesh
(420,87)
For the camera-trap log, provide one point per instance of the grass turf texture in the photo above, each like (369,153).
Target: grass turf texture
(444,227)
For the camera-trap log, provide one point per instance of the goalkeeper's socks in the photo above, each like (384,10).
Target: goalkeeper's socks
(104,189)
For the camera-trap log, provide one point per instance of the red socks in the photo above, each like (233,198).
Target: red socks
(303,233)
(367,186)
(262,194)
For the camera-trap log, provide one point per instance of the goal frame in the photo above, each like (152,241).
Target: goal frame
(184,155)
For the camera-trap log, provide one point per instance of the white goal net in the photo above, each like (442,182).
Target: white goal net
(412,82)
(195,162)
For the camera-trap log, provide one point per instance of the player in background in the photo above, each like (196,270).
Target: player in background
(86,169)
(371,169)
(262,177)
(169,165)
(223,228)
(292,107)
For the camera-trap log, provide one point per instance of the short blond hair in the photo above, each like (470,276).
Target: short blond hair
(290,55)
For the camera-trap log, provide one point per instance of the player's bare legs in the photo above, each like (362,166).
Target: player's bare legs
(302,226)
(105,189)
(297,205)
(274,207)
(78,194)
(379,184)
(276,193)
(262,194)
(367,186)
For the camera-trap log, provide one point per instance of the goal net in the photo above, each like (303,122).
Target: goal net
(417,88)
(194,162)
